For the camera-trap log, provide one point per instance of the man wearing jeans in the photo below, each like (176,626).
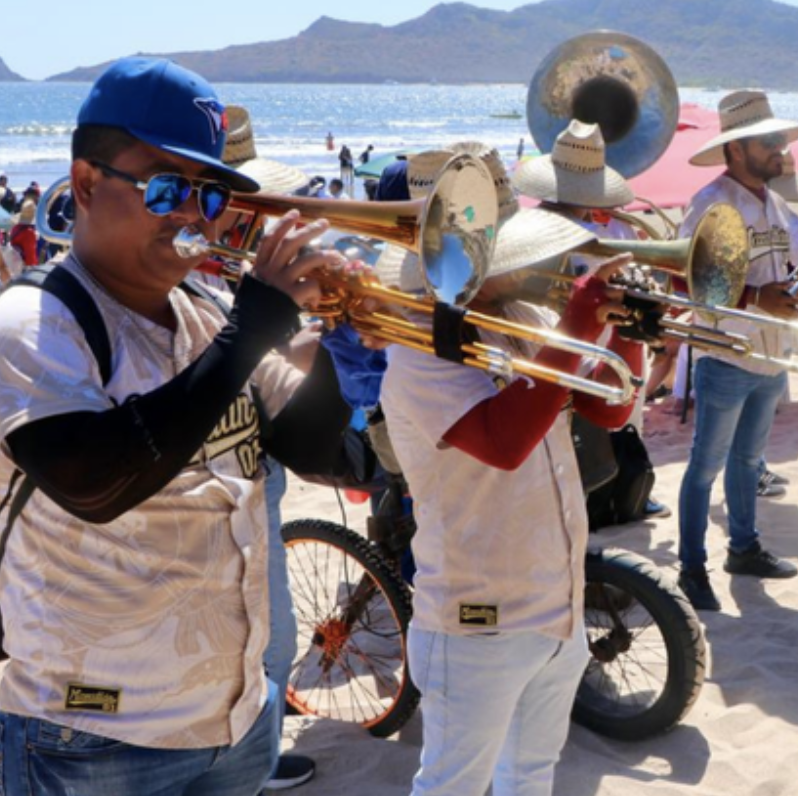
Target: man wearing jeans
(736,399)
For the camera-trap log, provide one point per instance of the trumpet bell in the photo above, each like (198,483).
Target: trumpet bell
(613,80)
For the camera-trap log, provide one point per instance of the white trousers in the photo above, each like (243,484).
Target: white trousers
(495,708)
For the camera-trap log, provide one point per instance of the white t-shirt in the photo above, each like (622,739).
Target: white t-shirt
(495,550)
(149,629)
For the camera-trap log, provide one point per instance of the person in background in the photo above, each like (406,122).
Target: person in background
(8,199)
(496,644)
(24,238)
(365,155)
(336,189)
(736,398)
(132,587)
(574,180)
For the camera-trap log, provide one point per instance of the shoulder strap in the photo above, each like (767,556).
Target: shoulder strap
(60,283)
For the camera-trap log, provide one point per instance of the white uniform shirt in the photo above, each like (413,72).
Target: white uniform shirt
(768,226)
(149,629)
(491,545)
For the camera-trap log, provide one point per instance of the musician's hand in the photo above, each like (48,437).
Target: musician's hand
(357,269)
(284,262)
(775,300)
(609,306)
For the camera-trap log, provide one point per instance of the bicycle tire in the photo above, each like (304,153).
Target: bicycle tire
(652,645)
(352,612)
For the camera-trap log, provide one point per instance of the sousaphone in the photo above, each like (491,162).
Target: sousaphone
(613,80)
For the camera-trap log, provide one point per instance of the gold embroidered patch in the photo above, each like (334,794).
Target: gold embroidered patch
(483,615)
(92,697)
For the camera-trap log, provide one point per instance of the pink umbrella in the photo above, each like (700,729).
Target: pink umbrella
(672,181)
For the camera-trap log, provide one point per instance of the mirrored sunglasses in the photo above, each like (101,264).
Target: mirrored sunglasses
(772,141)
(165,193)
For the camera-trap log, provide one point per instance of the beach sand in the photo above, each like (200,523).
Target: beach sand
(741,736)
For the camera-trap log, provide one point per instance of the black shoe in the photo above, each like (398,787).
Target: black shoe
(758,562)
(771,485)
(774,478)
(698,590)
(655,509)
(292,770)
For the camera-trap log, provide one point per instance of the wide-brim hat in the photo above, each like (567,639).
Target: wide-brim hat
(743,114)
(167,106)
(787,184)
(241,153)
(574,173)
(530,236)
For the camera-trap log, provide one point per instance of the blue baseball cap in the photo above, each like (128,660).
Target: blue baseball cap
(167,106)
(393,185)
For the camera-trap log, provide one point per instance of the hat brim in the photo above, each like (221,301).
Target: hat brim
(531,237)
(534,236)
(711,153)
(539,178)
(236,180)
(273,176)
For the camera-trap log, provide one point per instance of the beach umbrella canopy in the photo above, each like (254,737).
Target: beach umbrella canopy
(672,181)
(374,168)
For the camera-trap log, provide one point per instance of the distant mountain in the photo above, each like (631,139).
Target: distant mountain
(724,43)
(7,76)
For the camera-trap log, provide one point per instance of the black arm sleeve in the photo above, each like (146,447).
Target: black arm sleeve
(97,465)
(307,435)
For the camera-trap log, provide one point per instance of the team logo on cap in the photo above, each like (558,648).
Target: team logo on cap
(215,114)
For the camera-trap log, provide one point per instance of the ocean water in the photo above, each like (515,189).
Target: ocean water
(291,122)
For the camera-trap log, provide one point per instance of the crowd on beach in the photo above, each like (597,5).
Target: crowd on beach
(152,401)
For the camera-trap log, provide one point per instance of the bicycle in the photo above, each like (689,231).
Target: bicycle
(353,607)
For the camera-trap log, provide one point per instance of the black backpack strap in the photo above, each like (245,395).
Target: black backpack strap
(61,284)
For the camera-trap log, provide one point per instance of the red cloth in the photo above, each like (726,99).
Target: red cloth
(24,240)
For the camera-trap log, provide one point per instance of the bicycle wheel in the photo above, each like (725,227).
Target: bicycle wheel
(352,610)
(647,649)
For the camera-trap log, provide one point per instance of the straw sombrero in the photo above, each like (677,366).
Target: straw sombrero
(575,173)
(240,153)
(787,184)
(743,114)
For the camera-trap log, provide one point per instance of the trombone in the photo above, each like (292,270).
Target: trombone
(714,264)
(459,216)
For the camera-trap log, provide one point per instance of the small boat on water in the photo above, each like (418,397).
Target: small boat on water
(510,115)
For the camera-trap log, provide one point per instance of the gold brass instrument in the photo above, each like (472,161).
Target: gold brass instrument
(458,218)
(344,297)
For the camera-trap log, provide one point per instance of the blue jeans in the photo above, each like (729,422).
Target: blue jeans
(44,759)
(734,411)
(496,707)
(281,651)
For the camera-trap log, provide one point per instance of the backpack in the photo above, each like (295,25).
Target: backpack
(624,497)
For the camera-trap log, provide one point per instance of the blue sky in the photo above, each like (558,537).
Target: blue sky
(52,36)
(46,37)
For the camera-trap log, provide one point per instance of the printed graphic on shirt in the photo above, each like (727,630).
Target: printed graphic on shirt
(239,431)
(482,615)
(761,244)
(92,697)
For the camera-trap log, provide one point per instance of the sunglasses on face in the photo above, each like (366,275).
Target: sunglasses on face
(165,193)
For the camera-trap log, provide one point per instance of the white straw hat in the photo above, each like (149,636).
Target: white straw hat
(240,153)
(787,184)
(575,173)
(743,114)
